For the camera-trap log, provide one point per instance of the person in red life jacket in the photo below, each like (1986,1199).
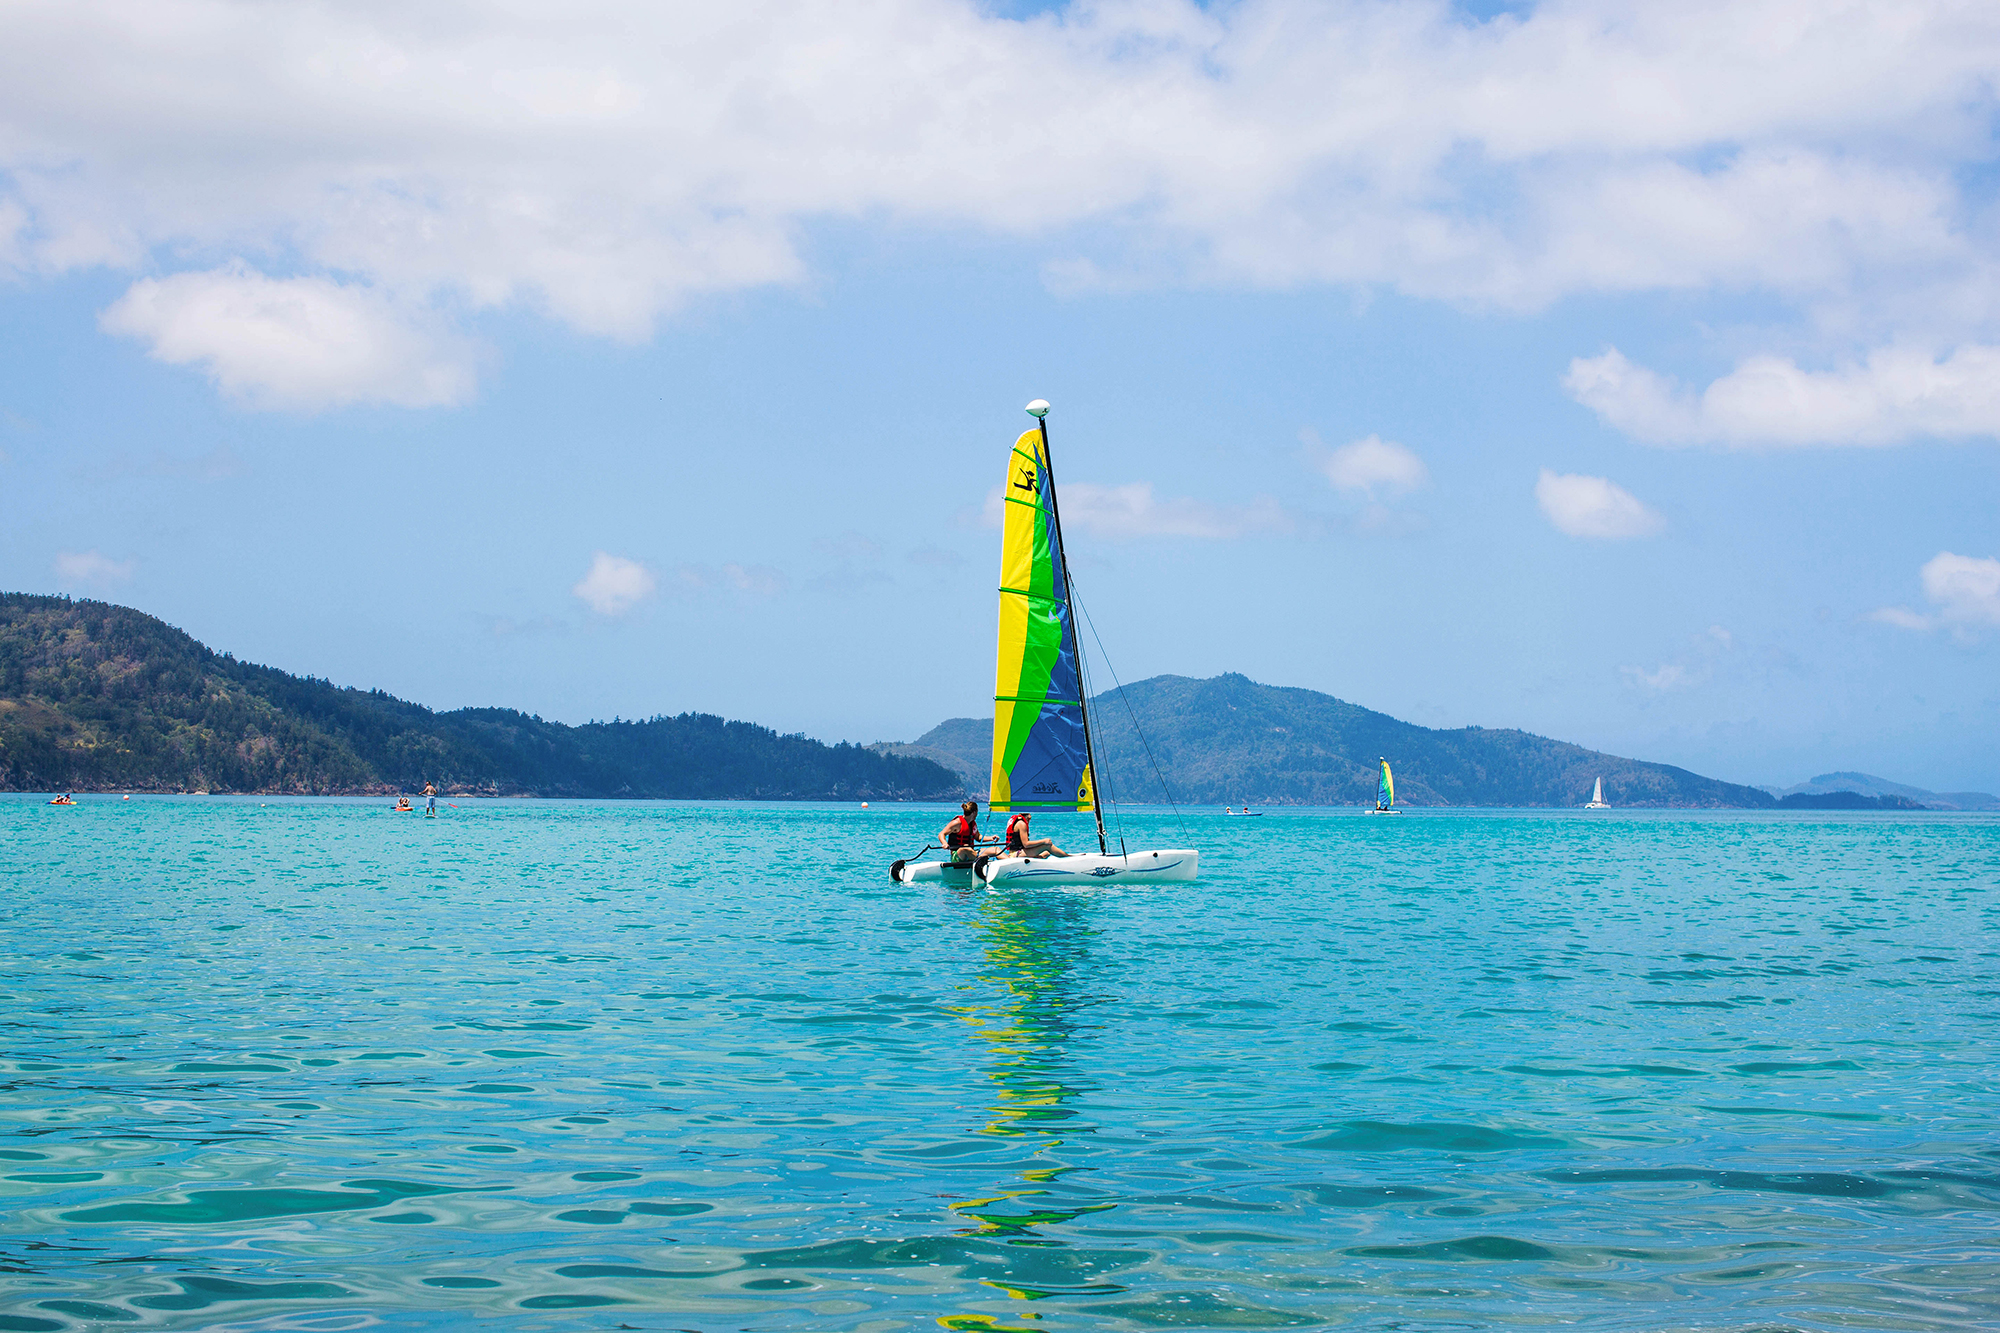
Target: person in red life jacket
(961,836)
(1021,842)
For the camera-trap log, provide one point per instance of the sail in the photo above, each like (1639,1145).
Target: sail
(1385,790)
(1597,793)
(1040,759)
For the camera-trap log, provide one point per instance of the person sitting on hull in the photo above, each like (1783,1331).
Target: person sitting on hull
(1022,843)
(961,836)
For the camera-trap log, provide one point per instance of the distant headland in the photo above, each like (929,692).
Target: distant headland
(1881,793)
(95,697)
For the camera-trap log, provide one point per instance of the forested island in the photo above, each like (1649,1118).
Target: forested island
(96,697)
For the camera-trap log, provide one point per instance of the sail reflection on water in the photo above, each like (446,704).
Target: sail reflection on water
(1035,968)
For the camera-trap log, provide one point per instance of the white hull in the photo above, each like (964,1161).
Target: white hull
(1159,867)
(1381,810)
(911,872)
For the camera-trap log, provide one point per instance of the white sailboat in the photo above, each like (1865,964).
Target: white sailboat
(1042,754)
(1596,801)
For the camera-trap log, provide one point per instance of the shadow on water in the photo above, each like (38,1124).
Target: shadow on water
(1037,971)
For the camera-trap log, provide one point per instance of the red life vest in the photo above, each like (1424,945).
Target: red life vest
(1014,831)
(964,832)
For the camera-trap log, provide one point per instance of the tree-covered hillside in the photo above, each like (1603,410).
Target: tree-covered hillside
(1229,740)
(97,697)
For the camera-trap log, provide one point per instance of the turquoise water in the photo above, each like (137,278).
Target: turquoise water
(312,1065)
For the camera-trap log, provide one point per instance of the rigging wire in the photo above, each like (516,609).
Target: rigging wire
(1165,790)
(1103,792)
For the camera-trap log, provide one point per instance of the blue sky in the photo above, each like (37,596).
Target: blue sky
(1624,376)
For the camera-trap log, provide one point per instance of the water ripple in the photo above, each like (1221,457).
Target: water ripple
(302,1065)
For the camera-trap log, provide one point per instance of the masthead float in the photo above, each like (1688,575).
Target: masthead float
(1043,759)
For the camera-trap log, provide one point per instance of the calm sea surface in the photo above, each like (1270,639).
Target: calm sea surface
(313,1065)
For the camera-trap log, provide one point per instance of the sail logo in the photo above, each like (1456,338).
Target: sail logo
(1047,788)
(1027,480)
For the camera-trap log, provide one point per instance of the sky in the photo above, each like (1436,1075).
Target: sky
(1625,373)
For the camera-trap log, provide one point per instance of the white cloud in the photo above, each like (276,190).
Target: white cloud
(1593,507)
(756,580)
(91,569)
(1895,395)
(1132,510)
(1696,667)
(1374,463)
(615,584)
(1902,618)
(1671,676)
(302,343)
(1964,589)
(750,580)
(604,162)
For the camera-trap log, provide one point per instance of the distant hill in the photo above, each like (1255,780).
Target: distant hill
(1869,785)
(1845,800)
(1229,740)
(96,697)
(964,745)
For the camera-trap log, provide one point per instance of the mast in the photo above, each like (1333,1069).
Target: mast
(1083,703)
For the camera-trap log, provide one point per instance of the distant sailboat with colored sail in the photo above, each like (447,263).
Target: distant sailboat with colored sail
(1043,761)
(1596,801)
(1385,792)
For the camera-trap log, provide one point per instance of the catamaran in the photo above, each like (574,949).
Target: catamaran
(1042,755)
(1385,792)
(1596,801)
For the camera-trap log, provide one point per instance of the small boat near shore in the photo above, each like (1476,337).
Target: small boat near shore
(1043,760)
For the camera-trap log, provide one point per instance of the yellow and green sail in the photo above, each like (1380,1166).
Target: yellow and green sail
(1041,759)
(1385,790)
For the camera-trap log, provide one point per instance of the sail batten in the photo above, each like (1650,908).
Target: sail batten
(1041,757)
